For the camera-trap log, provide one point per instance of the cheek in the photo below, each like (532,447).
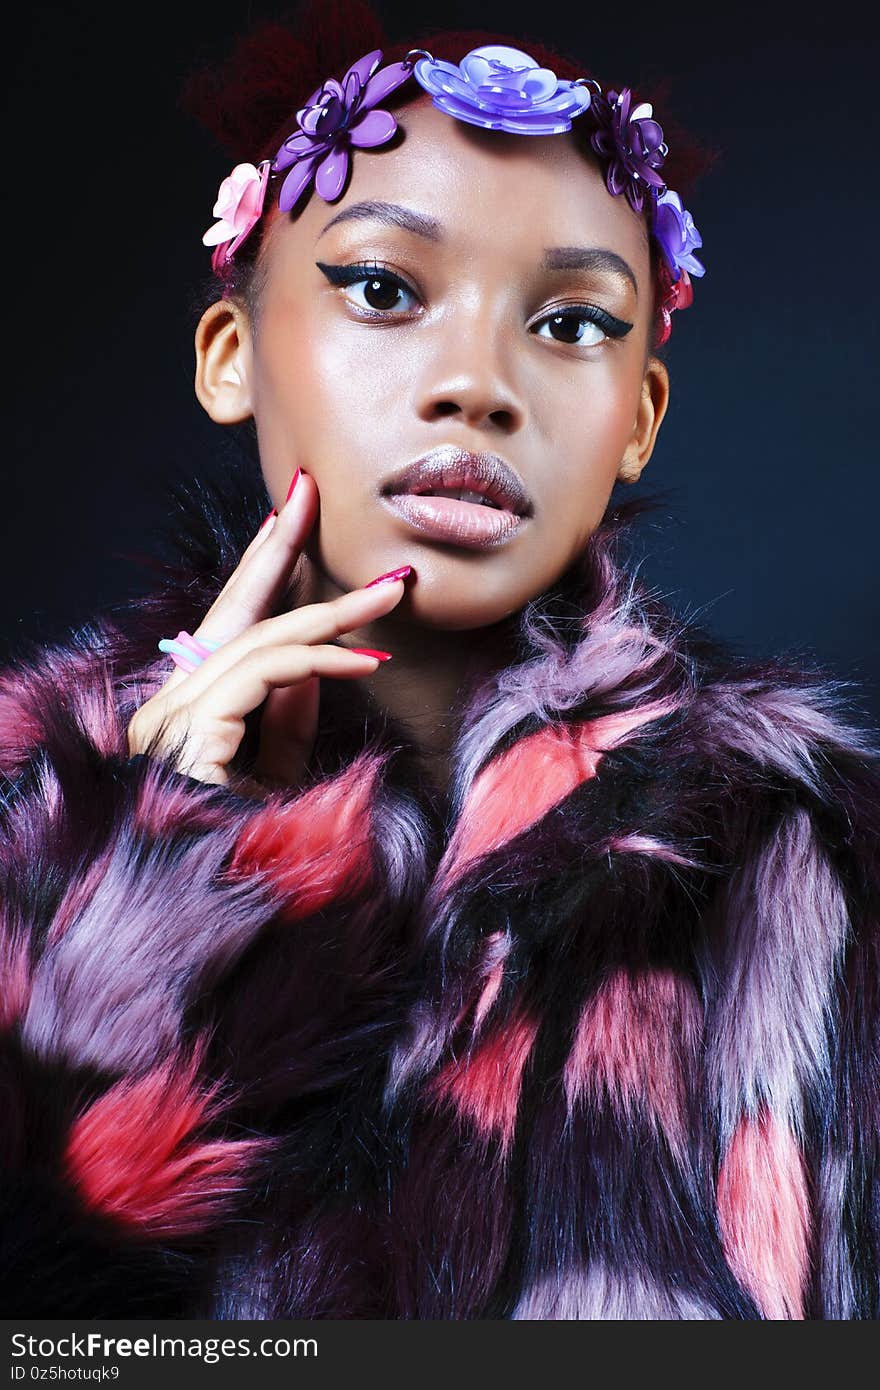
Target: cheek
(323,397)
(589,419)
(365,371)
(293,374)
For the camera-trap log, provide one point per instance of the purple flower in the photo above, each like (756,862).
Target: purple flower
(336,116)
(502,89)
(631,142)
(674,229)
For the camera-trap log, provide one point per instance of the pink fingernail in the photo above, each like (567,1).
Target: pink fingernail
(267,519)
(368,651)
(293,484)
(391,575)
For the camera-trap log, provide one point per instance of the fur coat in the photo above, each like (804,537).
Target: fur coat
(597,1038)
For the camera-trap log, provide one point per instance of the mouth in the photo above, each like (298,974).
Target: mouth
(460,497)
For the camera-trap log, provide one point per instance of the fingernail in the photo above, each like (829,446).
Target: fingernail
(392,574)
(368,651)
(293,484)
(267,519)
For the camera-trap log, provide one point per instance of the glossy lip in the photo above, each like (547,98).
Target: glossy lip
(454,467)
(468,524)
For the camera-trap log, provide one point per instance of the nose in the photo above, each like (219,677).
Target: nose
(469,375)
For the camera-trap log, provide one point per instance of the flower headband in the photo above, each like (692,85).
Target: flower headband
(496,87)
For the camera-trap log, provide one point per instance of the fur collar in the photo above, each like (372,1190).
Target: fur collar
(594,1016)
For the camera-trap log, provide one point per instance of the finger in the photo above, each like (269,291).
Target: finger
(205,735)
(249,682)
(251,589)
(258,579)
(177,675)
(314,622)
(261,534)
(288,726)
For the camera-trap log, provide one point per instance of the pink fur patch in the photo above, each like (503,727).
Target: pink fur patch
(489,993)
(764,1214)
(489,976)
(484,1086)
(316,849)
(635,1043)
(135,1154)
(518,788)
(648,844)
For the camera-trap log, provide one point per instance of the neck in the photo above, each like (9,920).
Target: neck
(425,685)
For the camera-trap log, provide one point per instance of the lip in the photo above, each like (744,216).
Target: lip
(453,467)
(469,524)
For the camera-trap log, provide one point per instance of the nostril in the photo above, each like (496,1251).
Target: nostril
(446,408)
(502,418)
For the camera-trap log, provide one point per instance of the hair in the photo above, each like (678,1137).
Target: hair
(249,101)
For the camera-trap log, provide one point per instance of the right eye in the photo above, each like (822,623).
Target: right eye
(374,290)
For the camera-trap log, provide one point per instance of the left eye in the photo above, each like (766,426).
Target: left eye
(569,325)
(380,293)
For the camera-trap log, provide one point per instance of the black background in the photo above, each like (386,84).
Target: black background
(770,439)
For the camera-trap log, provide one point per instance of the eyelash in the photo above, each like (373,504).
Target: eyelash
(347,275)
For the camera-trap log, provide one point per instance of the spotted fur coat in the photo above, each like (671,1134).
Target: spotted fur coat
(597,1038)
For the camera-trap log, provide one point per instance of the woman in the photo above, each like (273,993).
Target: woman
(453,933)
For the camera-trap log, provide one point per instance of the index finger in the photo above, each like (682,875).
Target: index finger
(264,569)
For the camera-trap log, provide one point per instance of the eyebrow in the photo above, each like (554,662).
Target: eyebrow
(555,257)
(589,258)
(393,215)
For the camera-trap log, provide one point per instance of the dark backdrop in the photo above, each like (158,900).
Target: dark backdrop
(770,440)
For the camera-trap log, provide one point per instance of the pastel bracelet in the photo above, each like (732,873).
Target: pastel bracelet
(187,651)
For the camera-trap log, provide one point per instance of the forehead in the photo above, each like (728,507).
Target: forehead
(489,190)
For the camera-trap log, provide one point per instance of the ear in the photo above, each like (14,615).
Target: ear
(224,363)
(653,401)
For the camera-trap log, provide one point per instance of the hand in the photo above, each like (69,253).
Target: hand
(198,717)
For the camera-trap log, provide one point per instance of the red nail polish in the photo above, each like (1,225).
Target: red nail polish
(268,518)
(293,484)
(368,651)
(392,574)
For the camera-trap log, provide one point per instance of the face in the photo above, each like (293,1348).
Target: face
(381,337)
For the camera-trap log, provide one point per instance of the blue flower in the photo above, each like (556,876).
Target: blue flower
(674,229)
(502,88)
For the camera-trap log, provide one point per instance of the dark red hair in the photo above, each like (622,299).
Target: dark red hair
(249,101)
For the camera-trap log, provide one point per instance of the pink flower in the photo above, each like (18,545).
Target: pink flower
(239,205)
(676,294)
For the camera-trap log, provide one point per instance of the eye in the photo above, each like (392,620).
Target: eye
(373,289)
(585,325)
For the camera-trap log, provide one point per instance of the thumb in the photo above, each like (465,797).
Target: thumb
(288,727)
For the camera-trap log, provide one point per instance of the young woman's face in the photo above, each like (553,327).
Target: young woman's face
(463,348)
